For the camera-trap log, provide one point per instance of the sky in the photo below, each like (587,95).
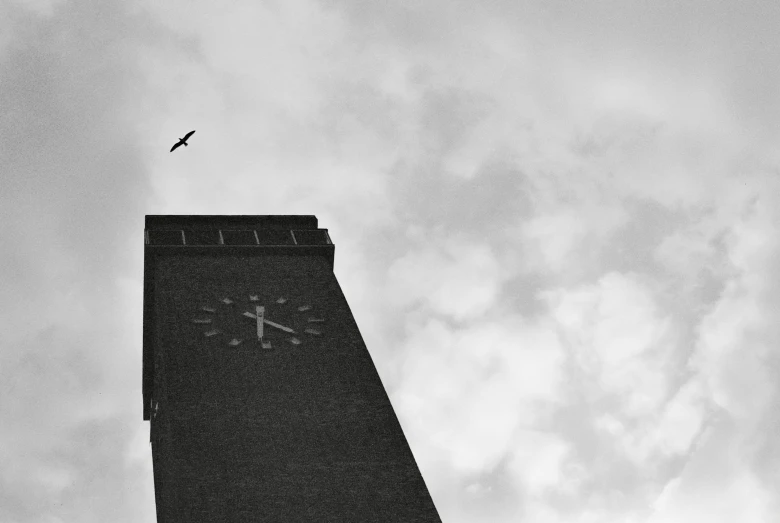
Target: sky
(556,224)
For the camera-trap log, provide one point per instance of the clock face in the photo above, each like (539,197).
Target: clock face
(255,320)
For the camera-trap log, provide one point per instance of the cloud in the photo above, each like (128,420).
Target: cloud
(466,392)
(730,355)
(39,7)
(616,337)
(456,279)
(682,419)
(714,485)
(537,459)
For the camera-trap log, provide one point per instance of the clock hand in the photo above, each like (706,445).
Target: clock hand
(282,327)
(260,315)
(268,322)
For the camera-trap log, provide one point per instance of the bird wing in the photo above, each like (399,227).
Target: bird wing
(175,146)
(186,136)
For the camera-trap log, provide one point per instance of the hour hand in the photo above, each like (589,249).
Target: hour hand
(269,322)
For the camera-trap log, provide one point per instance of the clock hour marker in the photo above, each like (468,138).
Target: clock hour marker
(313,332)
(316,320)
(212,332)
(227,301)
(209,309)
(281,300)
(304,308)
(204,320)
(234,342)
(254,297)
(295,341)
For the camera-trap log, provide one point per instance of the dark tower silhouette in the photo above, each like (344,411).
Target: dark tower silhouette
(264,403)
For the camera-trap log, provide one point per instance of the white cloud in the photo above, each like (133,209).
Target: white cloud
(40,7)
(622,345)
(566,239)
(730,354)
(456,279)
(739,498)
(536,460)
(667,434)
(617,337)
(688,251)
(556,238)
(468,391)
(681,420)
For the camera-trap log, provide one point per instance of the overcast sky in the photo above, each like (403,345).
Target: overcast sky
(556,224)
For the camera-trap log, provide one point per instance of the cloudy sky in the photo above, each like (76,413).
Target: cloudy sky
(556,223)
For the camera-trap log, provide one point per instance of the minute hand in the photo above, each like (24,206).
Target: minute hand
(282,327)
(269,322)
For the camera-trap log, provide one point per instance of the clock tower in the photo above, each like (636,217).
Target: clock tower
(263,401)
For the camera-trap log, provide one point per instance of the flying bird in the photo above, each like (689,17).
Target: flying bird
(182,141)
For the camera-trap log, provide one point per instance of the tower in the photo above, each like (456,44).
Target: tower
(263,401)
